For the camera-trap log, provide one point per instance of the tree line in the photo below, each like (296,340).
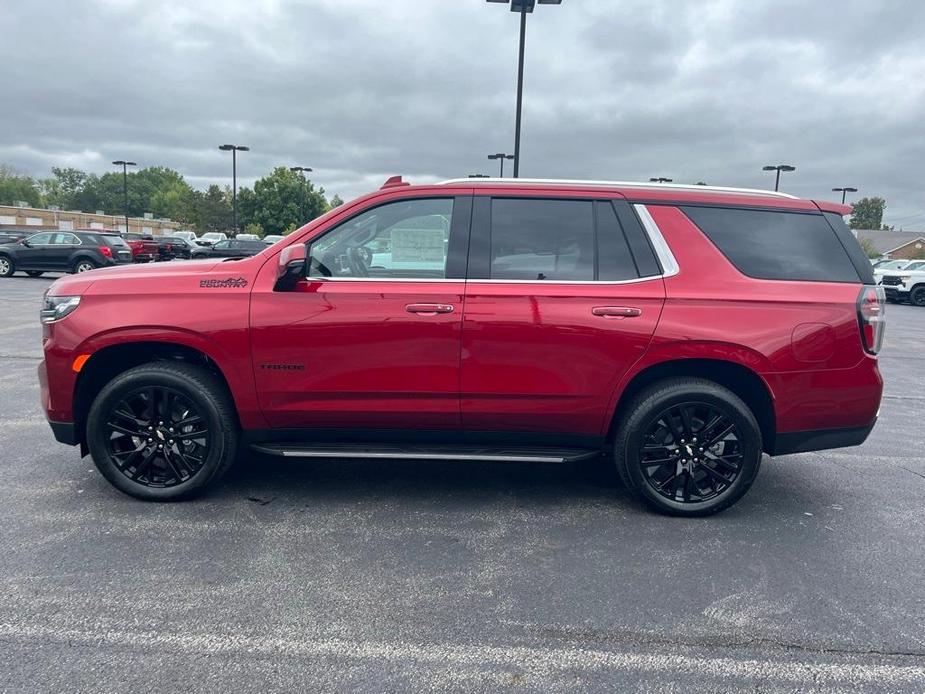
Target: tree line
(278,203)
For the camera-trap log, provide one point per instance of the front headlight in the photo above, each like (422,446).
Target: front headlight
(55,308)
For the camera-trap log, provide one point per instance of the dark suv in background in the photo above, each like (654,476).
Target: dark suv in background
(63,251)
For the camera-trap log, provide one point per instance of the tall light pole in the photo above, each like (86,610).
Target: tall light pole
(502,156)
(660,179)
(125,165)
(778,169)
(301,170)
(844,192)
(234,149)
(524,7)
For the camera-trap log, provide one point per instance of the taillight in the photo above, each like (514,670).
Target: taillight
(106,251)
(871,317)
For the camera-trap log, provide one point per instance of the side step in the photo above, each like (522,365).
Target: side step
(509,454)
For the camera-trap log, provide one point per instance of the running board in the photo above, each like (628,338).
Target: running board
(515,454)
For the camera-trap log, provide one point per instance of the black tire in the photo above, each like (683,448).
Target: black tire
(656,416)
(34,273)
(7,266)
(132,463)
(917,297)
(83,265)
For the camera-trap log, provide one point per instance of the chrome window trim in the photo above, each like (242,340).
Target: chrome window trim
(669,263)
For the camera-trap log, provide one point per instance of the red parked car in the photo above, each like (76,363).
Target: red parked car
(144,248)
(678,331)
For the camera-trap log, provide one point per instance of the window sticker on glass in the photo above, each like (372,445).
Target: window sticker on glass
(418,246)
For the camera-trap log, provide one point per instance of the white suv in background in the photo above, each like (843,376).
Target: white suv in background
(905,283)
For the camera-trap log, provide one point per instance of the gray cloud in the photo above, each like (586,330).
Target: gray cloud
(361,89)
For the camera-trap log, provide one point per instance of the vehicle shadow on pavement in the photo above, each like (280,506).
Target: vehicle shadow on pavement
(594,480)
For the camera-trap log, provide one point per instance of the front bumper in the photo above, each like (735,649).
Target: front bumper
(65,432)
(895,293)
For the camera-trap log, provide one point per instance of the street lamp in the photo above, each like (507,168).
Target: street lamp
(301,171)
(844,192)
(234,149)
(778,169)
(660,179)
(125,165)
(524,7)
(502,156)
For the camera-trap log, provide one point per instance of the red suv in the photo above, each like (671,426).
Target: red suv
(680,331)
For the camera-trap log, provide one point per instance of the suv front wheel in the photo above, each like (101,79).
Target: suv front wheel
(162,431)
(688,447)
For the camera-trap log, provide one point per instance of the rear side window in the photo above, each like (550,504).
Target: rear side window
(542,239)
(776,245)
(114,241)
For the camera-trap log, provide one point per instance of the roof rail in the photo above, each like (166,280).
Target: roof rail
(619,184)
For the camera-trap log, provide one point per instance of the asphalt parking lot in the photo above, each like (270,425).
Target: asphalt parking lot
(315,576)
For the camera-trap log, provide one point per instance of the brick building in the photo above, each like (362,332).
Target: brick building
(39,219)
(899,245)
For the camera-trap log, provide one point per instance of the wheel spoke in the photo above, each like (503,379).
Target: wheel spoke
(686,421)
(654,463)
(720,436)
(124,430)
(715,475)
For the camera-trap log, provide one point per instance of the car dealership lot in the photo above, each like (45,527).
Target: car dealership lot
(412,575)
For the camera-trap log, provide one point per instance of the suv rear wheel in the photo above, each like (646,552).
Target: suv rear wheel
(688,447)
(84,265)
(162,431)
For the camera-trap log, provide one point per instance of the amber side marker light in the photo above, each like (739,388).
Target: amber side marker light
(79,362)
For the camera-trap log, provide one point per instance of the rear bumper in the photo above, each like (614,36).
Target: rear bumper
(819,439)
(895,293)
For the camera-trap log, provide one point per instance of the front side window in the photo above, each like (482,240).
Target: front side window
(39,239)
(542,240)
(408,239)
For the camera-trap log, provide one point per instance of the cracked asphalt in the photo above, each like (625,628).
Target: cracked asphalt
(319,576)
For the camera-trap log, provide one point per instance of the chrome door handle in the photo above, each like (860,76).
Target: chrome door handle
(616,311)
(429,309)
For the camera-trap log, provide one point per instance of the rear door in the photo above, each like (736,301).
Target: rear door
(370,338)
(562,297)
(63,244)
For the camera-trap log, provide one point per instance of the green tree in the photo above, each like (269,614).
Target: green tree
(279,201)
(63,187)
(336,201)
(209,211)
(16,187)
(254,228)
(868,247)
(868,213)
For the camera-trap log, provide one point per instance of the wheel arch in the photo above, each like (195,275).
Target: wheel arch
(108,362)
(740,379)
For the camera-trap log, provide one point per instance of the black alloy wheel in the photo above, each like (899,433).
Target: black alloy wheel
(157,437)
(691,453)
(163,431)
(687,447)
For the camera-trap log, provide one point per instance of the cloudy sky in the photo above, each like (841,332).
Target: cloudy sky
(362,89)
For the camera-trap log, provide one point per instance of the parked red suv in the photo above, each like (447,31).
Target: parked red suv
(680,331)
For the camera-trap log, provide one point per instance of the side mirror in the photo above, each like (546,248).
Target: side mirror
(26,243)
(291,266)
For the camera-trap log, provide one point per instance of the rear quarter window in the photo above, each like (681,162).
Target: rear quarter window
(776,245)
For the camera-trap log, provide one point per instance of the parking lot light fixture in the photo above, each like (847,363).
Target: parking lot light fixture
(524,7)
(301,170)
(844,192)
(778,168)
(234,149)
(502,156)
(125,165)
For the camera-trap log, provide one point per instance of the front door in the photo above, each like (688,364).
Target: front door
(37,255)
(370,339)
(560,302)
